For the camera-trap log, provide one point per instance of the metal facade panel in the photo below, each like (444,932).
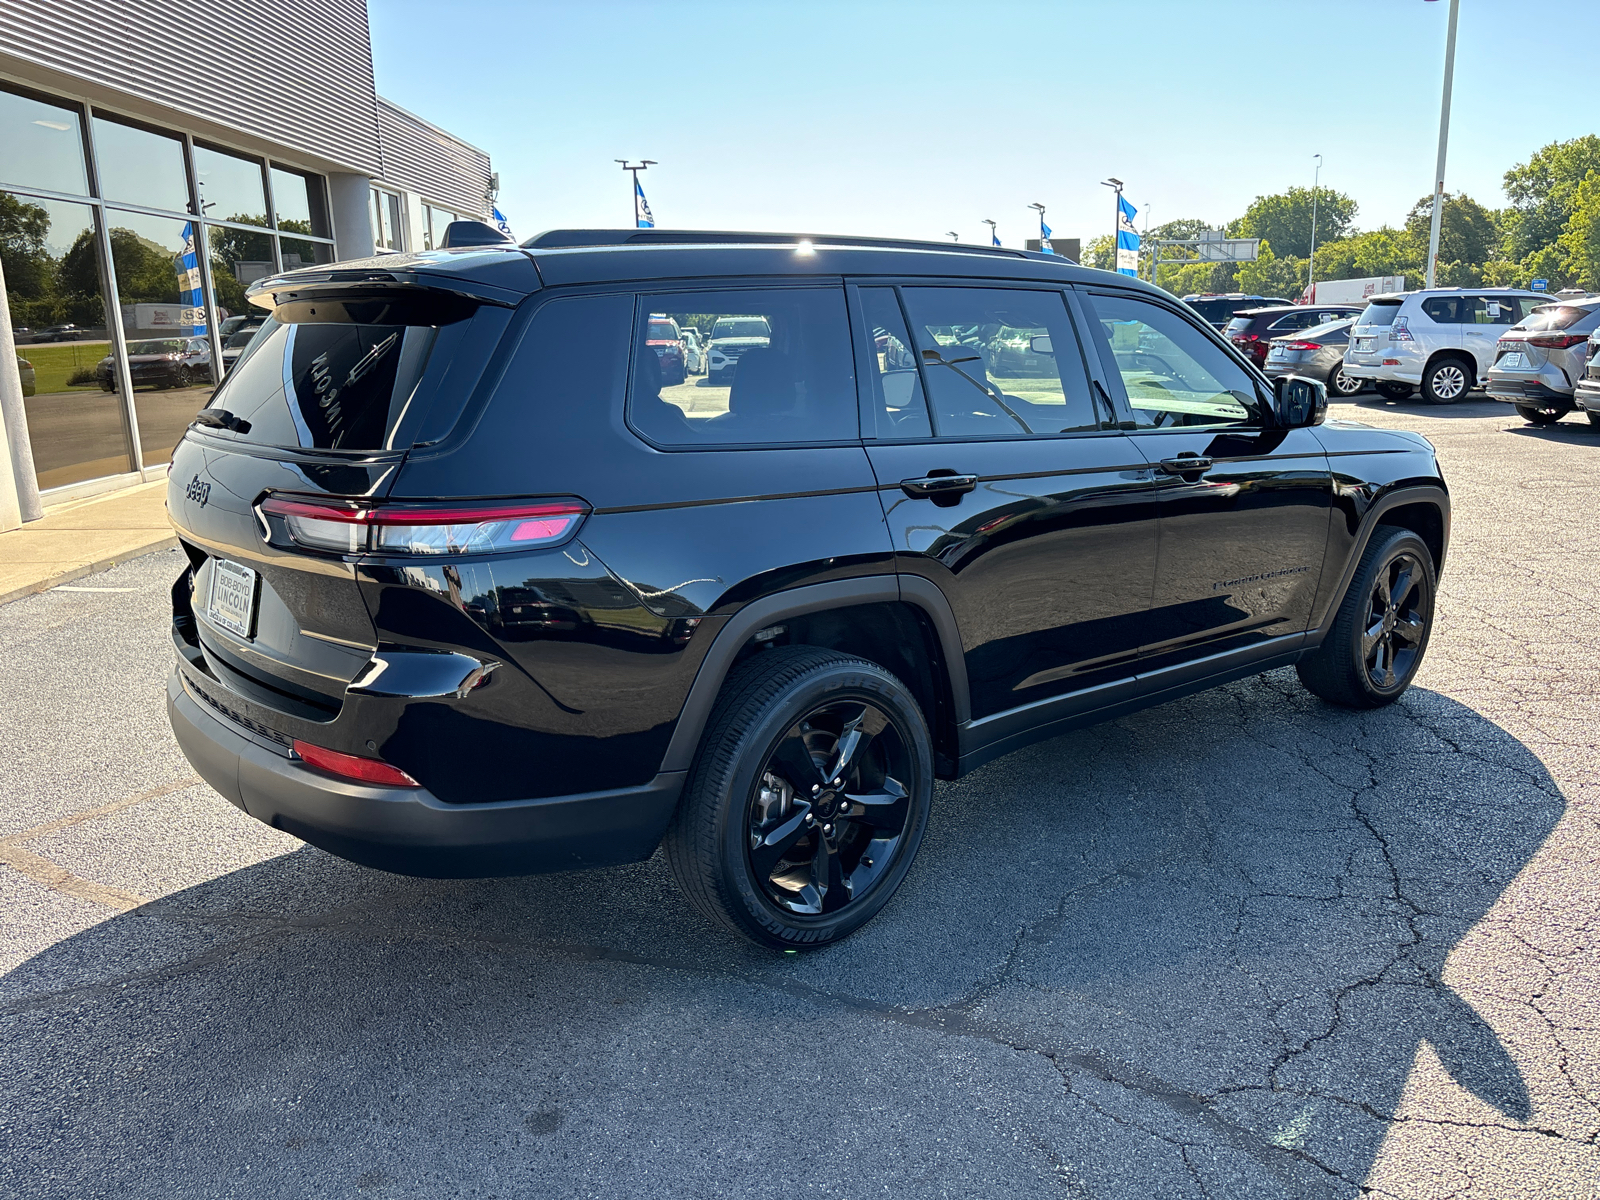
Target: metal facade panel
(424,159)
(297,72)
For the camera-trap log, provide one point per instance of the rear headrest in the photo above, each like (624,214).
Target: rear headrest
(763,384)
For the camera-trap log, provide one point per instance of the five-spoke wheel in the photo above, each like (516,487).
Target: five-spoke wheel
(808,798)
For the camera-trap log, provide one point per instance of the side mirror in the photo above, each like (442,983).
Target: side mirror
(1301,402)
(1041,344)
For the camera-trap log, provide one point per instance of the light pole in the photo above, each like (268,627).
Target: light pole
(1044,231)
(639,217)
(1444,139)
(1115,185)
(994,237)
(1311,262)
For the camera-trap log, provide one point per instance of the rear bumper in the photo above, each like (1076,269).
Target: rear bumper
(1379,373)
(1527,390)
(408,830)
(1587,395)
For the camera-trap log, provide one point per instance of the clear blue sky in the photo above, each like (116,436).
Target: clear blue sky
(911,119)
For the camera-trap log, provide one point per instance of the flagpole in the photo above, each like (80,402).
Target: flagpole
(994,238)
(1111,181)
(644,164)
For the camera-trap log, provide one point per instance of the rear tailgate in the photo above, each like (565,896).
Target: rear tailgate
(325,403)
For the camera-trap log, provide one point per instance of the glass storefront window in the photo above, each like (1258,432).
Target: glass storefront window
(164,318)
(239,257)
(298,252)
(438,220)
(299,202)
(140,167)
(42,145)
(55,289)
(231,188)
(386,226)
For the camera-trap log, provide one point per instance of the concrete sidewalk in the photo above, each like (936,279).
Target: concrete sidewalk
(83,536)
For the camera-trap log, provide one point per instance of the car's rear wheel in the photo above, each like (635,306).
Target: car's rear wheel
(1381,630)
(1341,384)
(1446,381)
(1394,390)
(1541,416)
(808,798)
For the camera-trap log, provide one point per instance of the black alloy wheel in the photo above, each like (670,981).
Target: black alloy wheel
(1393,389)
(1540,415)
(1341,384)
(185,377)
(1381,630)
(808,798)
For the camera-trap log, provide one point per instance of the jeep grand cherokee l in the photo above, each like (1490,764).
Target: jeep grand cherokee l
(474,590)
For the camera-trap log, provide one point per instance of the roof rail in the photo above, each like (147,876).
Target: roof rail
(564,239)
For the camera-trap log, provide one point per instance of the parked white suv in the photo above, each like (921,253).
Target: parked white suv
(1441,340)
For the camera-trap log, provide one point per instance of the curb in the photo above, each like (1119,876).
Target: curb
(67,576)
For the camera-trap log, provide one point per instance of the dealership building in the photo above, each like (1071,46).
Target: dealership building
(155,161)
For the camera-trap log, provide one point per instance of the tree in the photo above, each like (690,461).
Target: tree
(1284,219)
(1101,252)
(1270,275)
(1579,242)
(1543,191)
(28,266)
(1467,230)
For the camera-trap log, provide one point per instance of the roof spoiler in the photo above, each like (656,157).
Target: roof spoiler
(472,233)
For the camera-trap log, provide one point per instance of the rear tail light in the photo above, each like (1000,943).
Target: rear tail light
(407,528)
(1247,337)
(1399,332)
(353,766)
(1300,346)
(1557,341)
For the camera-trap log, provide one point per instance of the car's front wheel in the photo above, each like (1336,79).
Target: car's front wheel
(1341,383)
(1381,630)
(808,798)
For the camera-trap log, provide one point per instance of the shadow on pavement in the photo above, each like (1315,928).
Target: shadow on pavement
(1222,923)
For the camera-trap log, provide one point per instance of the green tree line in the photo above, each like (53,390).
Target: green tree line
(1550,229)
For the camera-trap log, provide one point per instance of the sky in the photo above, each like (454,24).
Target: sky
(916,119)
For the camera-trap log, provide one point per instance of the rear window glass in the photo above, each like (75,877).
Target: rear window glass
(777,370)
(1218,310)
(326,385)
(1445,309)
(1554,317)
(663,331)
(1378,314)
(1239,324)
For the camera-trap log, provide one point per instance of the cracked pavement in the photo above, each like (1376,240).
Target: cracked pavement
(1241,945)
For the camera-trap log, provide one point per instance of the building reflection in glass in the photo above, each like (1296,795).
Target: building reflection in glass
(55,292)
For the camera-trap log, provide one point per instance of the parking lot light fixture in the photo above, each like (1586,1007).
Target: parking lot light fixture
(1444,139)
(1311,259)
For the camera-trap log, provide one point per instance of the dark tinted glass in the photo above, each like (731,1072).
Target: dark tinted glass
(999,362)
(899,408)
(1378,314)
(1174,375)
(327,385)
(1444,309)
(43,145)
(778,369)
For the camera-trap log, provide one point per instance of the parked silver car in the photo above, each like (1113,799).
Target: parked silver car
(694,353)
(1587,394)
(1317,352)
(1539,361)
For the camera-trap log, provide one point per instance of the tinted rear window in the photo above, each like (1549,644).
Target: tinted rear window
(1239,324)
(663,331)
(1378,314)
(1217,310)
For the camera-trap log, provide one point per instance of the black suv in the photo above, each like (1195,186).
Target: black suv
(474,590)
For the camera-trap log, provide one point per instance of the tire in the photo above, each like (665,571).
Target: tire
(1394,390)
(1350,668)
(1594,417)
(823,870)
(184,378)
(1341,385)
(1540,416)
(1447,380)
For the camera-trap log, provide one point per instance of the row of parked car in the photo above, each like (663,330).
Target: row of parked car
(1536,351)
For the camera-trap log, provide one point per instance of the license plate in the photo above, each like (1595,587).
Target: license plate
(1365,343)
(1508,361)
(233,596)
(1277,352)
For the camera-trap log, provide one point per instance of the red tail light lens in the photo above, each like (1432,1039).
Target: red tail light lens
(1301,346)
(353,766)
(405,528)
(1557,341)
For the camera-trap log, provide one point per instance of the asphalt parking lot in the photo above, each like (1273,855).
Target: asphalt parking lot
(1243,945)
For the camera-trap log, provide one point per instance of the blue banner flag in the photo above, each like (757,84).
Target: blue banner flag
(994,237)
(500,222)
(1127,238)
(641,207)
(190,295)
(1044,237)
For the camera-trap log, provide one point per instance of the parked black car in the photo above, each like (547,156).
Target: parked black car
(1252,328)
(470,593)
(1218,308)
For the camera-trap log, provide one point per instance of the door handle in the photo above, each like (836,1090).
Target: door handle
(934,487)
(1186,465)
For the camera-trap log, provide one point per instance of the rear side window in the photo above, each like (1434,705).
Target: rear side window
(1380,314)
(777,369)
(1489,310)
(1444,309)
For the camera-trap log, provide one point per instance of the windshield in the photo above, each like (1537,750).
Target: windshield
(164,346)
(1378,314)
(1554,316)
(662,331)
(241,339)
(743,327)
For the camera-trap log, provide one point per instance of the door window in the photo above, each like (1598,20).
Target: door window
(898,404)
(1174,375)
(1489,310)
(999,362)
(777,370)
